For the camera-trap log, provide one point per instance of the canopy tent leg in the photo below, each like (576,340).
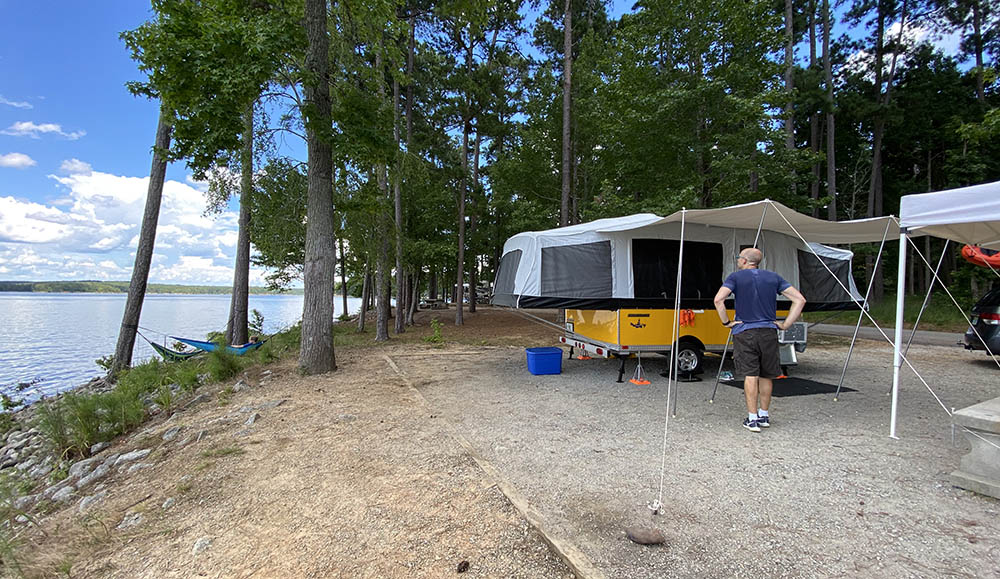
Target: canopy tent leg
(927,298)
(898,340)
(861,315)
(718,375)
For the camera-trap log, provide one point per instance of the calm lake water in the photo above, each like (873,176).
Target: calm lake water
(55,338)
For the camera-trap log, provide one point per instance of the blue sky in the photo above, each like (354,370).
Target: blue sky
(75,155)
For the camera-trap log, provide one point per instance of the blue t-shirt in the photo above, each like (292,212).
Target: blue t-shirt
(756,295)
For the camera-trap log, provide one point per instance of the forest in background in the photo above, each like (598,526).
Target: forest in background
(120,287)
(435,130)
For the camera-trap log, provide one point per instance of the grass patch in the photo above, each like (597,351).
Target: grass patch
(941,314)
(222,452)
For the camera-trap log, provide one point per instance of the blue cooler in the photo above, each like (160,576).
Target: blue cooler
(544,360)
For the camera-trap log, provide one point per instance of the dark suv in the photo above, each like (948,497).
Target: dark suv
(986,321)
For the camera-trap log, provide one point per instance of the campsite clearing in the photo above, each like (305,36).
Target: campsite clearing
(363,472)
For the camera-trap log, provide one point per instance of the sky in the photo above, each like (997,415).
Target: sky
(75,154)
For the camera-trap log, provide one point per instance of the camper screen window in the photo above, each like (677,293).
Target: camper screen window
(815,282)
(503,289)
(654,268)
(577,271)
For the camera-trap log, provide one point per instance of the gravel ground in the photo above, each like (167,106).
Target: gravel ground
(823,493)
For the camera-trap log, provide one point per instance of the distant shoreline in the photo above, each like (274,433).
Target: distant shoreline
(119,287)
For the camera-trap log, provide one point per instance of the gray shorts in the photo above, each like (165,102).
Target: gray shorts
(755,353)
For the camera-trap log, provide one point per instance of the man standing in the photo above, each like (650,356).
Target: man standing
(755,330)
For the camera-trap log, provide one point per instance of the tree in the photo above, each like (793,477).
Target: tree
(237,326)
(144,251)
(317,353)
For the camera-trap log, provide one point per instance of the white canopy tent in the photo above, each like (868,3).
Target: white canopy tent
(969,215)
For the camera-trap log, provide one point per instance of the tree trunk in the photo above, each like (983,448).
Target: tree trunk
(977,35)
(414,296)
(789,83)
(432,285)
(463,188)
(473,223)
(343,277)
(814,136)
(144,251)
(366,288)
(397,199)
(831,157)
(316,355)
(237,331)
(567,110)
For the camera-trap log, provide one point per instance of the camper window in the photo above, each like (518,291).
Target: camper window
(654,268)
(582,270)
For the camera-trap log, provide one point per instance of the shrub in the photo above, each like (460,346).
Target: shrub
(52,422)
(222,365)
(84,421)
(435,337)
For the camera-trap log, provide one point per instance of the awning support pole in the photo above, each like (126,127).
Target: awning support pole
(718,375)
(927,298)
(897,342)
(861,314)
(675,363)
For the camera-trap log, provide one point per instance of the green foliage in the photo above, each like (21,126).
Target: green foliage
(435,337)
(164,397)
(256,322)
(222,365)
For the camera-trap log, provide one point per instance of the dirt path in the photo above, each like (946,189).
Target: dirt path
(365,472)
(343,475)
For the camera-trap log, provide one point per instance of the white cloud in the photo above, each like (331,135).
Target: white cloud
(75,167)
(16,160)
(15,104)
(30,129)
(100,215)
(861,61)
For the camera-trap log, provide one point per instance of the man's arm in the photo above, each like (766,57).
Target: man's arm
(720,304)
(798,302)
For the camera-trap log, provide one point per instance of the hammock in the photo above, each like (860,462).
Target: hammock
(166,353)
(212,346)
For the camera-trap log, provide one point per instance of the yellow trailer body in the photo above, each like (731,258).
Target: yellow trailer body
(634,330)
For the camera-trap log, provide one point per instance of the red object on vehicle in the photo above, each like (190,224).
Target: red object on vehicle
(981,257)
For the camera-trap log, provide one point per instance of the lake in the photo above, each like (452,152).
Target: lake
(56,338)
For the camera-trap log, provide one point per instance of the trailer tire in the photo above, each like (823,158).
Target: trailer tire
(690,355)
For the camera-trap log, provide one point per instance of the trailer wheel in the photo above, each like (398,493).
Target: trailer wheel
(689,356)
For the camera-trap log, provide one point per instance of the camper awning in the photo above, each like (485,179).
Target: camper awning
(966,215)
(782,219)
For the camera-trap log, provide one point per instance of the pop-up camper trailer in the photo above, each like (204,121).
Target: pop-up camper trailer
(618,278)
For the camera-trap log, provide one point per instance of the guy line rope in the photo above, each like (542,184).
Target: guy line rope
(886,337)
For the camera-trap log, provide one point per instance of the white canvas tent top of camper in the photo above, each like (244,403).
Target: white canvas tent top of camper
(969,215)
(633,261)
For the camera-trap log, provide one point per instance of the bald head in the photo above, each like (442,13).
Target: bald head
(751,257)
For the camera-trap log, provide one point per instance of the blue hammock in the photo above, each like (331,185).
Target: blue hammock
(212,346)
(167,354)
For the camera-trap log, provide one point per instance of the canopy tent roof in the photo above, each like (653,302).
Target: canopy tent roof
(968,215)
(782,219)
(629,261)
